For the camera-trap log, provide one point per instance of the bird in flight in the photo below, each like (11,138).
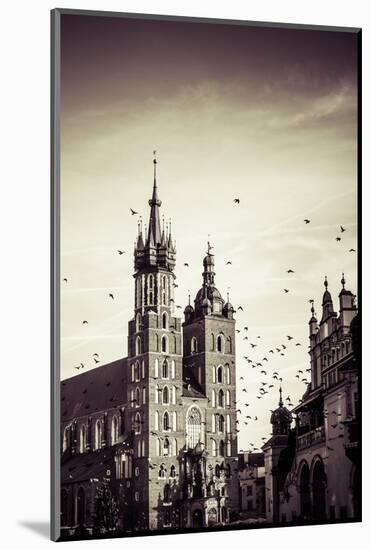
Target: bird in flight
(338,239)
(289,337)
(342,229)
(186,265)
(65,280)
(110,295)
(121,252)
(286,290)
(290,271)
(96,361)
(298,344)
(95,354)
(306,221)
(85,323)
(351,250)
(240,308)
(245,328)
(228,263)
(236,201)
(133,212)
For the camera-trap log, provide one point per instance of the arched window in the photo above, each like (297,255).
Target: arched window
(165,369)
(221,398)
(221,448)
(66,434)
(137,371)
(221,423)
(227,374)
(164,291)
(174,421)
(157,415)
(82,448)
(172,471)
(174,395)
(64,508)
(156,368)
(212,342)
(164,320)
(157,391)
(137,397)
(143,447)
(143,369)
(167,493)
(227,398)
(229,345)
(213,423)
(164,344)
(80,506)
(138,346)
(193,427)
(173,369)
(165,395)
(137,424)
(166,422)
(161,472)
(114,430)
(194,345)
(229,451)
(220,343)
(228,424)
(139,448)
(219,375)
(213,447)
(217,471)
(144,396)
(138,322)
(150,289)
(213,401)
(98,434)
(175,447)
(158,445)
(166,447)
(157,343)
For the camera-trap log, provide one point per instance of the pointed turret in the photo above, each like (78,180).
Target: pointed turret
(327,305)
(281,418)
(313,323)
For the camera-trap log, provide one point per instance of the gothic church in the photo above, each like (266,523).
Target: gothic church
(156,430)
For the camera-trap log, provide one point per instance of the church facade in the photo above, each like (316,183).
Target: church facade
(157,429)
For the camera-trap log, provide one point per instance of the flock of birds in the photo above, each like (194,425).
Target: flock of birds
(270,379)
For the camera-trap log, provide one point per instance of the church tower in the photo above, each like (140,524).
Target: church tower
(154,372)
(209,359)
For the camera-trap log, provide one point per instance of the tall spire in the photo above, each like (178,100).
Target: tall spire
(280,403)
(343,281)
(154,226)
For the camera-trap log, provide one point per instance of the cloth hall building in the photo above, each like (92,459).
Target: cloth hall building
(156,429)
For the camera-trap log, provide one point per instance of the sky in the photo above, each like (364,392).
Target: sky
(268,116)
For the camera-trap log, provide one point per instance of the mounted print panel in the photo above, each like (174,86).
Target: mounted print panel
(206,333)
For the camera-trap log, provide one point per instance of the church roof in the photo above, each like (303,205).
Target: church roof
(191,387)
(98,389)
(86,466)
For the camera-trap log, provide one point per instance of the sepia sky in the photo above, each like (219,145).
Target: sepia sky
(265,115)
